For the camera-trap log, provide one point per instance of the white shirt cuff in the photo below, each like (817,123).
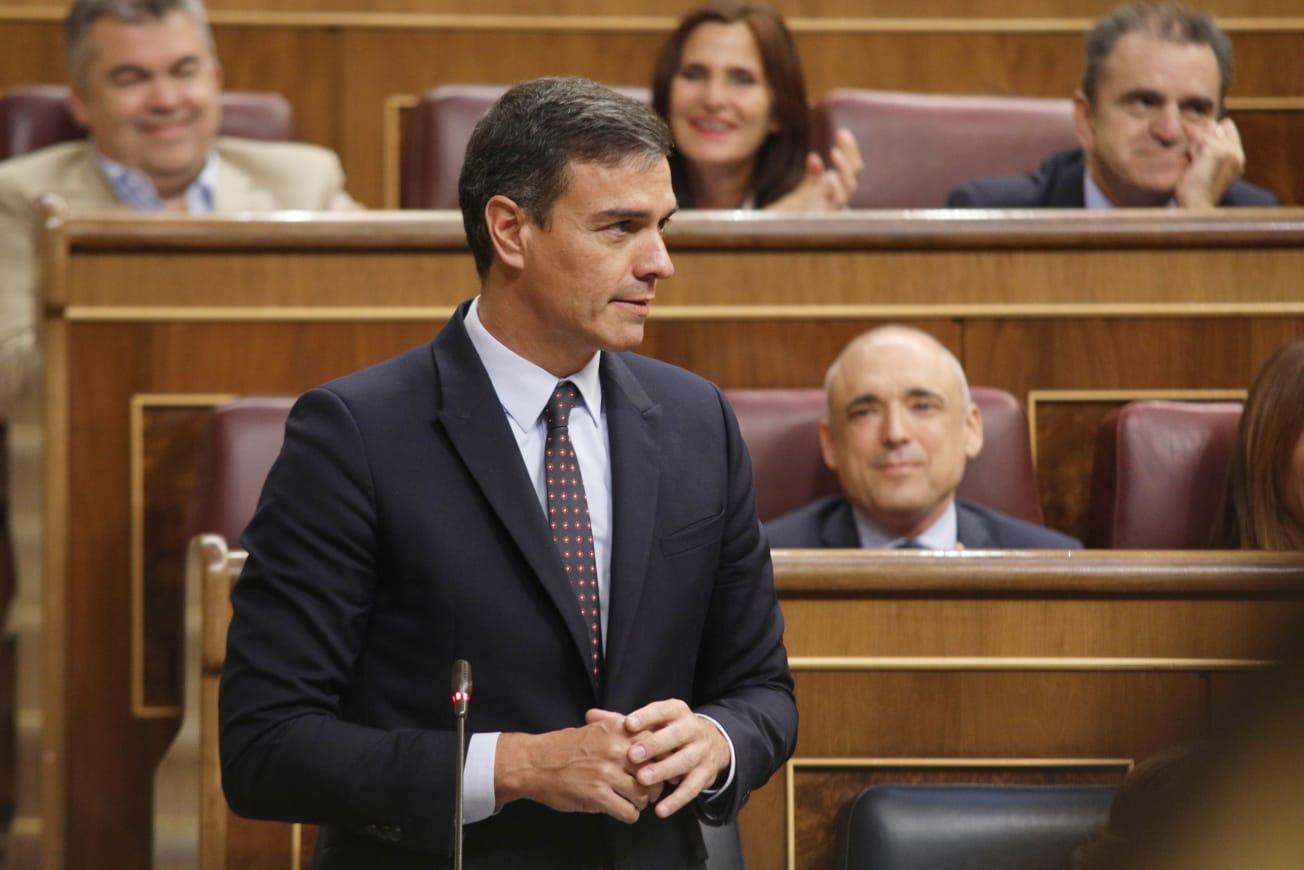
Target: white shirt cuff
(710,793)
(478,777)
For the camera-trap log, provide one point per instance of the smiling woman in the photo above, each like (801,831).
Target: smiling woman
(729,84)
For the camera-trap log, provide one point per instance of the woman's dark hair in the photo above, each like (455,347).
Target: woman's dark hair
(1256,510)
(782,158)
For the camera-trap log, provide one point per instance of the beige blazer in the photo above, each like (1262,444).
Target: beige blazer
(251,176)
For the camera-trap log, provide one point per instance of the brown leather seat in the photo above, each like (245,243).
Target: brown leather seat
(35,116)
(781,429)
(918,147)
(239,445)
(1159,473)
(434,142)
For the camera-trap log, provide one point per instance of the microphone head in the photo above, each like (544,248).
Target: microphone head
(461,680)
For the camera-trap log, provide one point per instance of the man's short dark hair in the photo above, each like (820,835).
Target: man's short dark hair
(84,13)
(1162,21)
(524,144)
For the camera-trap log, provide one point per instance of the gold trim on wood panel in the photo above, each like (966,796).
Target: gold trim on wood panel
(1265,104)
(296,846)
(391,144)
(1068,396)
(307,314)
(139,404)
(790,775)
(1019,663)
(54,614)
(251,313)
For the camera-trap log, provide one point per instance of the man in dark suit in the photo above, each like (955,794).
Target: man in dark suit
(575,521)
(1150,119)
(900,428)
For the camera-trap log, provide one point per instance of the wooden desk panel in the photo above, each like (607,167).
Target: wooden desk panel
(1152,649)
(1035,667)
(148,320)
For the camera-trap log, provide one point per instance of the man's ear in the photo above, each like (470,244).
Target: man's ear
(828,448)
(506,223)
(77,103)
(973,430)
(1082,117)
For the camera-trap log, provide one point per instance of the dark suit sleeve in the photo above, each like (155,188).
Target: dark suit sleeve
(1244,194)
(301,612)
(961,197)
(742,679)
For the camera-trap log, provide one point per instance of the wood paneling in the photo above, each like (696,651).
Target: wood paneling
(1274,139)
(922,667)
(174,308)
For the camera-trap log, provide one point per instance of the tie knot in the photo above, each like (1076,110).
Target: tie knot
(558,409)
(910,544)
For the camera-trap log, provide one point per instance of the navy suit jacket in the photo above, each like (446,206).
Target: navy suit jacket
(829,522)
(399,531)
(1057,183)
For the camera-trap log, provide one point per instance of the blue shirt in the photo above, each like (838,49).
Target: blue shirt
(134,189)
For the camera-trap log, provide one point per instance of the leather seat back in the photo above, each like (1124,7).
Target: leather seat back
(918,147)
(36,116)
(968,827)
(1159,473)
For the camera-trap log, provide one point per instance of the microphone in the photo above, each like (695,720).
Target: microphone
(461,701)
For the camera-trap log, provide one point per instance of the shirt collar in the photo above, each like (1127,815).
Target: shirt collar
(1094,197)
(523,388)
(943,534)
(134,189)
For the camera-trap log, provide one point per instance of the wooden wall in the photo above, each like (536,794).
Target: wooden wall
(339,64)
(192,310)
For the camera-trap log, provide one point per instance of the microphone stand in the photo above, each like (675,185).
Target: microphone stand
(461,701)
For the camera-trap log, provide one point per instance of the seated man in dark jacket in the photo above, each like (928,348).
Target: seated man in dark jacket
(901,426)
(1150,119)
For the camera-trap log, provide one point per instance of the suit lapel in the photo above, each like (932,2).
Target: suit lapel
(236,190)
(838,530)
(633,424)
(86,187)
(470,413)
(971,530)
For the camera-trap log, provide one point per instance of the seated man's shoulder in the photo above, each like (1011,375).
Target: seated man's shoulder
(1005,532)
(1245,194)
(294,156)
(45,170)
(803,528)
(297,175)
(1056,183)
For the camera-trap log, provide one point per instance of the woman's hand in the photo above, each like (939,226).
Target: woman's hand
(826,189)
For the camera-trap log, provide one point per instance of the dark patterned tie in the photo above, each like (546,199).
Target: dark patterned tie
(568,514)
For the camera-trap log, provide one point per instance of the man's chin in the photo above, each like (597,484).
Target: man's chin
(628,337)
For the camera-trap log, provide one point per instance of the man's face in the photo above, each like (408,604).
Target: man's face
(1152,97)
(150,97)
(589,276)
(899,431)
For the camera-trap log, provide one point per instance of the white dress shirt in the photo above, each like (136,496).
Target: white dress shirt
(523,390)
(943,534)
